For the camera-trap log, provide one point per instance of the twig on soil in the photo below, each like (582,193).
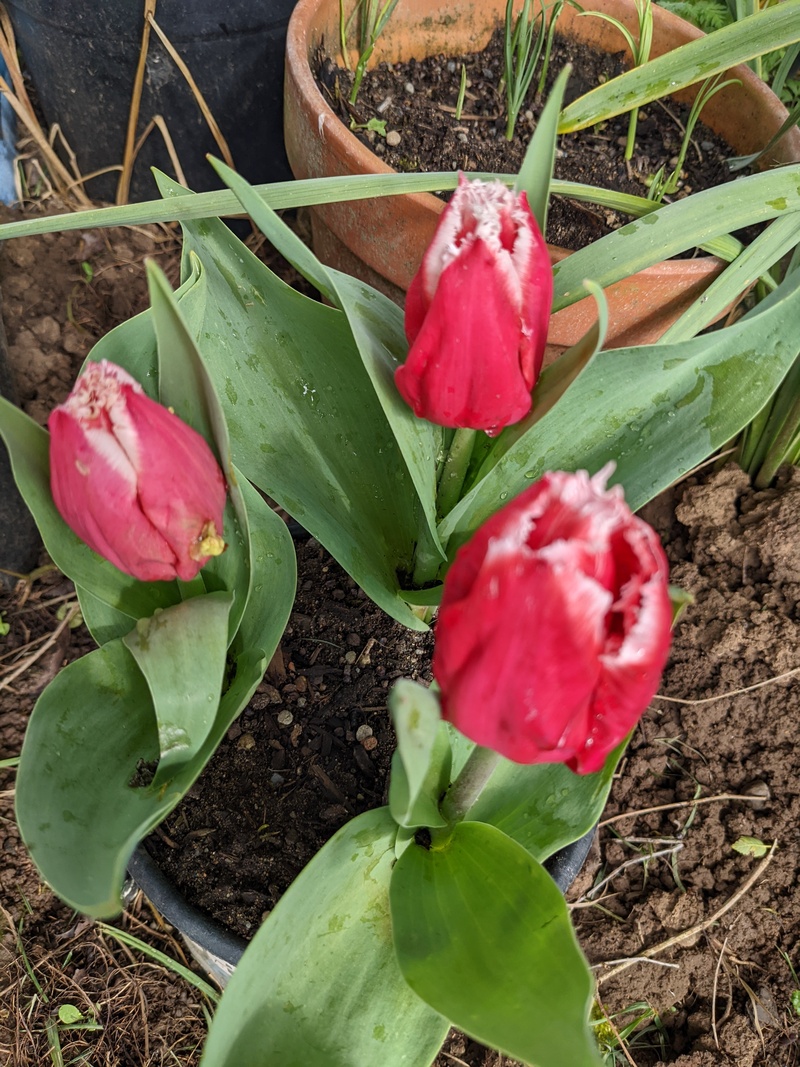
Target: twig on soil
(30,660)
(698,928)
(714,993)
(733,692)
(644,858)
(720,797)
(636,959)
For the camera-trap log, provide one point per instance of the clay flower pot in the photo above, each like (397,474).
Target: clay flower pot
(382,240)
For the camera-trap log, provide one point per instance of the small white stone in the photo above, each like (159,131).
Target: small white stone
(285,717)
(363,732)
(393,138)
(409,88)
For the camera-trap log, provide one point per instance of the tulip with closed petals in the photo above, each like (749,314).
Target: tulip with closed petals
(132,480)
(477,312)
(554,626)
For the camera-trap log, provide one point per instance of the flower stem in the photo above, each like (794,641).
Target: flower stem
(466,789)
(455,470)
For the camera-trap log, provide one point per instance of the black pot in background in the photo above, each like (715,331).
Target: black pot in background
(82,58)
(218,950)
(20,543)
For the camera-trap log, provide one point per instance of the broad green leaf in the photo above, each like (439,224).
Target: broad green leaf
(545,806)
(673,228)
(483,935)
(181,653)
(536,171)
(377,325)
(421,763)
(305,424)
(28,446)
(774,27)
(94,731)
(319,985)
(655,411)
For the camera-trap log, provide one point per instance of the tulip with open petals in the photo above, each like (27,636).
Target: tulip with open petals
(477,312)
(554,625)
(132,480)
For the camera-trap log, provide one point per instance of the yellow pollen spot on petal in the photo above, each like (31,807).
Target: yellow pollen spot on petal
(209,543)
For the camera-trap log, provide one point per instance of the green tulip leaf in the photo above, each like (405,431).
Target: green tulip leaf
(772,28)
(536,171)
(674,228)
(655,411)
(544,806)
(319,985)
(185,387)
(377,325)
(305,424)
(85,790)
(421,763)
(181,653)
(482,934)
(28,445)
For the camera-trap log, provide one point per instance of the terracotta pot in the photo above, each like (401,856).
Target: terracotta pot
(382,240)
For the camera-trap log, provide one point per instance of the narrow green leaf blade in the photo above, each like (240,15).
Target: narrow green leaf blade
(319,985)
(483,935)
(769,29)
(536,171)
(673,228)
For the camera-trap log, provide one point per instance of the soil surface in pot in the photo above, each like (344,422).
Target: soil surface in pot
(725,999)
(417,101)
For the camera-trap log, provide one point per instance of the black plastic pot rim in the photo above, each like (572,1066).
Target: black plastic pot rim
(563,867)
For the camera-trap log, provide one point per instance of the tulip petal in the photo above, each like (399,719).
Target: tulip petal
(464,369)
(554,625)
(97,498)
(181,488)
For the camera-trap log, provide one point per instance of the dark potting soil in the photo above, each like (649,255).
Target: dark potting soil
(312,750)
(417,101)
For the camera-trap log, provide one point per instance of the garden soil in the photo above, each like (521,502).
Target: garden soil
(690,913)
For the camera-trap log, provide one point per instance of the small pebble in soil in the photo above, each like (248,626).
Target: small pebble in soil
(285,717)
(246,741)
(393,138)
(369,743)
(409,88)
(363,732)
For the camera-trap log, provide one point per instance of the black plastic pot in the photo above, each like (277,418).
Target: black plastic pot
(218,950)
(20,543)
(82,58)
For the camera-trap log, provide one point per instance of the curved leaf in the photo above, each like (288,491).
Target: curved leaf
(483,935)
(319,985)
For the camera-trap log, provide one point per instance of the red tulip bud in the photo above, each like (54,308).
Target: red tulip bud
(554,626)
(477,312)
(139,486)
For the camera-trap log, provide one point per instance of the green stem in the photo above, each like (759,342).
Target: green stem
(455,470)
(779,449)
(469,785)
(631,142)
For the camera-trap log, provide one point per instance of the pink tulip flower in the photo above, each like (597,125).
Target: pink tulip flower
(132,480)
(477,312)
(554,626)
